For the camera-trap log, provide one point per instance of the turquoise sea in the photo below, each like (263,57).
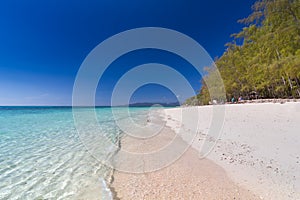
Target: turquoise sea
(43,157)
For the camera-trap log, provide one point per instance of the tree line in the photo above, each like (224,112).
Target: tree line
(263,59)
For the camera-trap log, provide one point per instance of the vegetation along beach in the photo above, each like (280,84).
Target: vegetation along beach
(151,99)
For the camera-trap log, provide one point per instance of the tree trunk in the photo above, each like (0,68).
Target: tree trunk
(278,54)
(298,91)
(290,82)
(298,84)
(283,80)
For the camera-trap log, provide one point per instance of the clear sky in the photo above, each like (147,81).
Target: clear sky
(43,43)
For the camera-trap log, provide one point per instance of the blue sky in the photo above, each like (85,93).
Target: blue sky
(43,43)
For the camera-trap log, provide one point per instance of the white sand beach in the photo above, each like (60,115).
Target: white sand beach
(186,178)
(256,157)
(258,146)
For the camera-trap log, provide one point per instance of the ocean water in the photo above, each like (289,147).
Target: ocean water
(43,157)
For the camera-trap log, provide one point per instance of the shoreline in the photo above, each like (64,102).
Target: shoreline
(203,179)
(111,177)
(240,153)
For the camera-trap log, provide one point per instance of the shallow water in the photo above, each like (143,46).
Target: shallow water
(43,157)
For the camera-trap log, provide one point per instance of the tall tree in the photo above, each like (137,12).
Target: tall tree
(267,61)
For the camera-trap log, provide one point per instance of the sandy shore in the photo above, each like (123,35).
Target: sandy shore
(258,147)
(187,178)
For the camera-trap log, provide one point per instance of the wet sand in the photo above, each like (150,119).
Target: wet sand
(187,178)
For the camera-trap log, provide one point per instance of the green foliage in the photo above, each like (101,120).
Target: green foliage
(268,60)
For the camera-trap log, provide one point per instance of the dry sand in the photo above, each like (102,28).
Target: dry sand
(258,152)
(187,178)
(259,146)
